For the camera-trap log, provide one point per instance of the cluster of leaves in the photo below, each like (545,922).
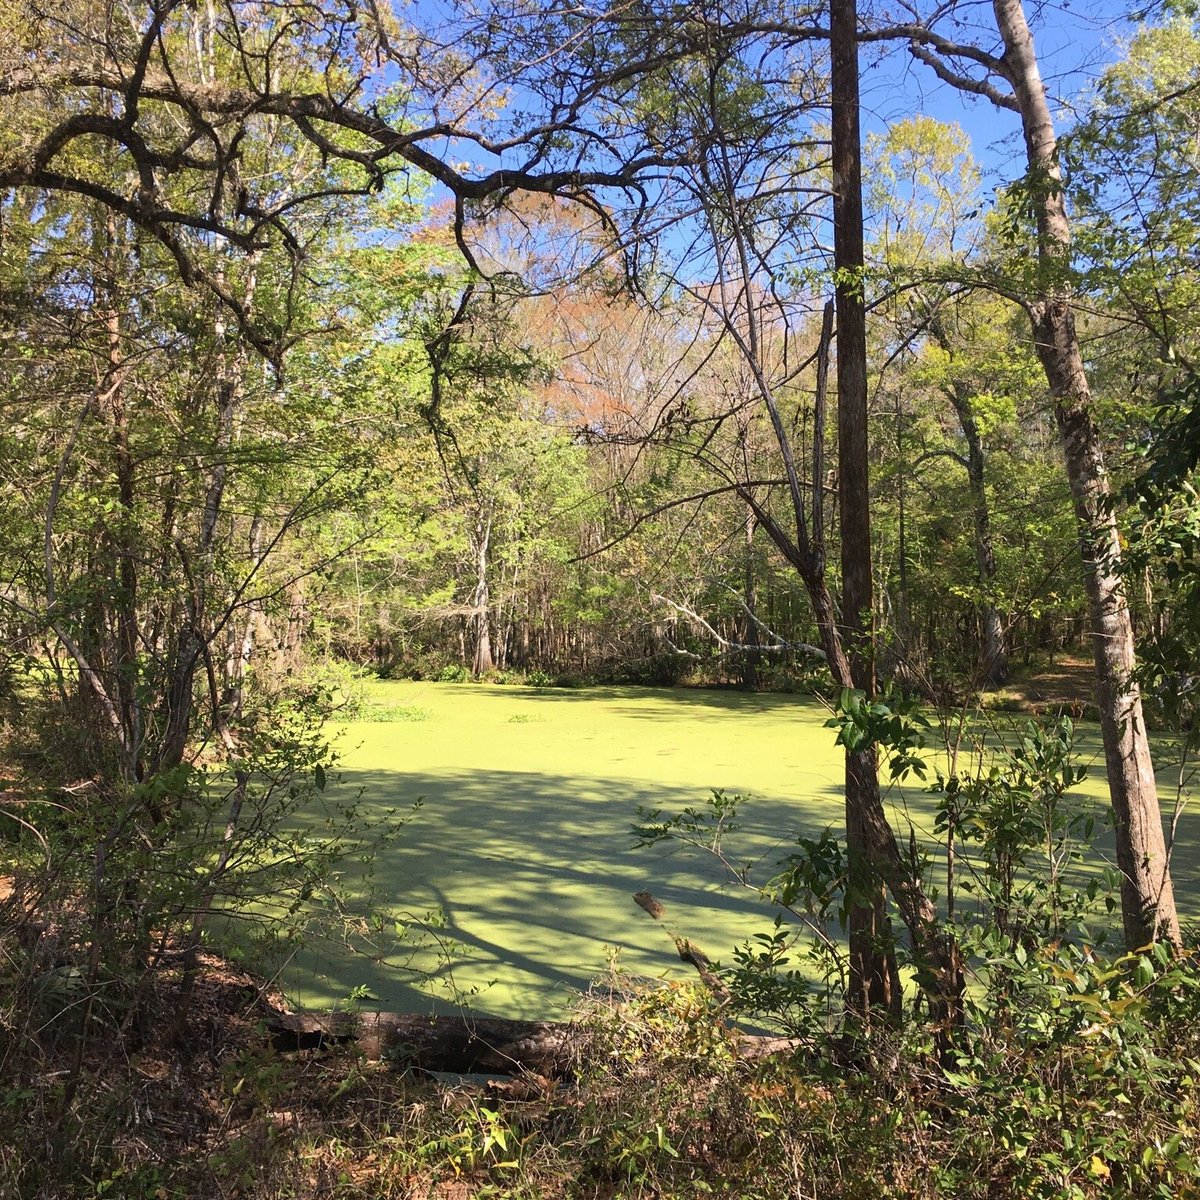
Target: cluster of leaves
(892,721)
(112,887)
(1085,1077)
(1165,544)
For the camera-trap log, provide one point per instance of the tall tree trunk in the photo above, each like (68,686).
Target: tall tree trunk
(1147,898)
(875,858)
(874,981)
(749,632)
(481,601)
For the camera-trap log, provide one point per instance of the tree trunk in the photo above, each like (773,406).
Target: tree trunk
(749,631)
(874,980)
(995,651)
(1147,898)
(481,601)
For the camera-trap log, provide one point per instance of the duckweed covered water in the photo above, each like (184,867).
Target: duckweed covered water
(523,838)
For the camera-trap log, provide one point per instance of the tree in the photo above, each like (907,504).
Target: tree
(178,486)
(1130,174)
(1148,905)
(926,195)
(870,842)
(742,143)
(1129,167)
(972,359)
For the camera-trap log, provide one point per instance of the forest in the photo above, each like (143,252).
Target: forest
(827,366)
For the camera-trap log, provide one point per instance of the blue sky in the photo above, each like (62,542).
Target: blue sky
(1075,42)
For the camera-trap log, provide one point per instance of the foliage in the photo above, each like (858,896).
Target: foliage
(1131,176)
(1032,837)
(1089,1088)
(244,854)
(259,417)
(1016,841)
(1082,1079)
(1164,547)
(892,721)
(1067,1077)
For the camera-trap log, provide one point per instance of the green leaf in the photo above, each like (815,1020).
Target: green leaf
(1143,972)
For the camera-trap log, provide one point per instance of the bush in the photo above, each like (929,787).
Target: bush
(115,886)
(1071,1074)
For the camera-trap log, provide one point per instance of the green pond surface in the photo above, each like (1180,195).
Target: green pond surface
(523,838)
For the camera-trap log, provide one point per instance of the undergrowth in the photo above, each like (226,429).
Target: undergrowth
(1089,1089)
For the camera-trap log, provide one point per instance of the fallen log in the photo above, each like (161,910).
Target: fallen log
(461,1043)
(466,1044)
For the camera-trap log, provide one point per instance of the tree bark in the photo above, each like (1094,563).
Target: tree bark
(482,661)
(1147,897)
(874,979)
(749,630)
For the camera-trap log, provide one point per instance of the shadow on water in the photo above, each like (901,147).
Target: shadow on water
(535,876)
(524,839)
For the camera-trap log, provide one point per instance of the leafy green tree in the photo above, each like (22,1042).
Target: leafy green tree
(176,482)
(1130,166)
(1130,173)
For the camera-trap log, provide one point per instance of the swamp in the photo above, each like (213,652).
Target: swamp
(599,601)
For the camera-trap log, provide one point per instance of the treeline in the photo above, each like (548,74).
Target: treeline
(278,402)
(576,530)
(372,452)
(578,513)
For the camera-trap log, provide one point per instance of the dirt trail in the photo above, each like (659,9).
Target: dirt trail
(1068,683)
